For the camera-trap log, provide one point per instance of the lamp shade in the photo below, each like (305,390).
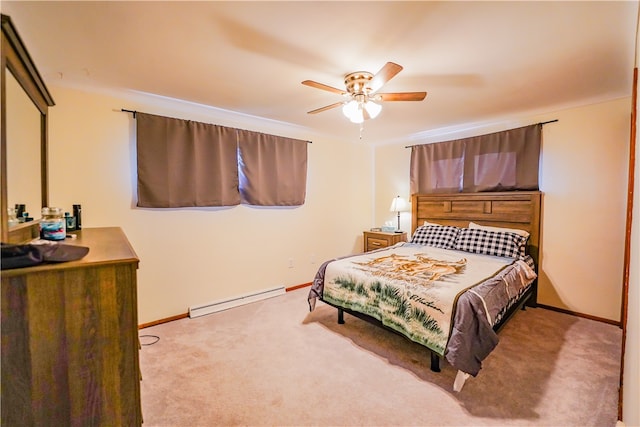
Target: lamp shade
(398,204)
(353,111)
(372,108)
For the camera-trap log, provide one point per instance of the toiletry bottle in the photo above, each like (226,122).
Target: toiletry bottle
(13,218)
(77,213)
(70,221)
(52,224)
(20,208)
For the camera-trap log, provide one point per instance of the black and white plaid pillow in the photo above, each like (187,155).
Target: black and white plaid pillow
(439,236)
(495,243)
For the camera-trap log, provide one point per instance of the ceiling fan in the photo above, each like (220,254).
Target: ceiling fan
(361,91)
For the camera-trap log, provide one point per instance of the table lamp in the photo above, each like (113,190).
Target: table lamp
(398,204)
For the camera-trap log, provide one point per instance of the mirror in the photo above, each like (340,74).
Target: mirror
(23,150)
(23,136)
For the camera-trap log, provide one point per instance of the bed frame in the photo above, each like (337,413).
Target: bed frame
(513,209)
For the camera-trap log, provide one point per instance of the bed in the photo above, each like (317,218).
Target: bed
(468,266)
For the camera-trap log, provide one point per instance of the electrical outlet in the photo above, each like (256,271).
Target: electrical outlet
(290,262)
(313,258)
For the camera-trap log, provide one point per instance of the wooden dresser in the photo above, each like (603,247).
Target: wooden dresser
(70,338)
(381,239)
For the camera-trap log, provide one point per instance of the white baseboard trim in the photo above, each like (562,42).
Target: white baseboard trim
(216,306)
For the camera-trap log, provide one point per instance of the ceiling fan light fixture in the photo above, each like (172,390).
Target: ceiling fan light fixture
(373,109)
(350,108)
(354,110)
(361,89)
(358,117)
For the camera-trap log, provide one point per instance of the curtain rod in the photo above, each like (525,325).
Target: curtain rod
(130,111)
(541,123)
(135,112)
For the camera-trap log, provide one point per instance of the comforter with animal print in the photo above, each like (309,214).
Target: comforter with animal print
(443,299)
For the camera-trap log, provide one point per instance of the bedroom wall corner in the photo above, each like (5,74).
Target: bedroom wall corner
(391,171)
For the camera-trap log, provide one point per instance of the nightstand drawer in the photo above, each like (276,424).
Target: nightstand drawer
(377,239)
(373,243)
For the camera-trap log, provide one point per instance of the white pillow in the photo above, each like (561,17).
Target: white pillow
(426,223)
(502,229)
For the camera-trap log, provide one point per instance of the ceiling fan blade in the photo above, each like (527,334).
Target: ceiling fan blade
(325,108)
(402,96)
(385,74)
(323,87)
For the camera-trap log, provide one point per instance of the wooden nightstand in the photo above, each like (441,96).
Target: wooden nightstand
(381,239)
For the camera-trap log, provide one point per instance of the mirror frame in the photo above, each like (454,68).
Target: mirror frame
(15,58)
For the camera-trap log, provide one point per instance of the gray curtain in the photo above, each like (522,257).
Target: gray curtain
(182,163)
(273,169)
(499,161)
(437,168)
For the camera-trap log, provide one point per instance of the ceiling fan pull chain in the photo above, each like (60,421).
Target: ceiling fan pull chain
(361,129)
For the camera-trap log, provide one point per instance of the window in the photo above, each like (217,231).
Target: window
(495,162)
(182,163)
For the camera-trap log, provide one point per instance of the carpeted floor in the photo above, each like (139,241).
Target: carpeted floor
(274,363)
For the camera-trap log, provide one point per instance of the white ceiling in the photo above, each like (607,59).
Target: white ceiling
(478,61)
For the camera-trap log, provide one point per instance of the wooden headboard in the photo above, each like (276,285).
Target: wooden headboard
(513,209)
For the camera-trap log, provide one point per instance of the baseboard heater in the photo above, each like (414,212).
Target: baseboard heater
(214,307)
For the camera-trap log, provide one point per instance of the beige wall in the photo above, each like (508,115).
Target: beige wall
(584,210)
(583,175)
(197,256)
